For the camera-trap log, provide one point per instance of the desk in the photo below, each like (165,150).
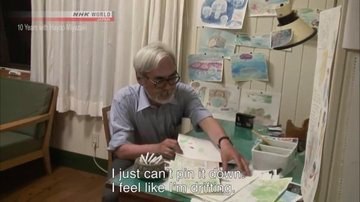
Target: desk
(243,141)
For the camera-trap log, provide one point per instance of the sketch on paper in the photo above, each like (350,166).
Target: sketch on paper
(200,90)
(225,14)
(264,8)
(223,102)
(256,41)
(205,67)
(246,67)
(262,190)
(309,16)
(281,38)
(264,106)
(218,42)
(200,149)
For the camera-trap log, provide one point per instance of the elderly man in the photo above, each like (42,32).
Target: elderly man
(145,117)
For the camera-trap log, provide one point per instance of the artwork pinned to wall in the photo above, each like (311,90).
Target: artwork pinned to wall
(221,101)
(256,41)
(310,16)
(205,67)
(263,105)
(224,14)
(281,38)
(249,66)
(214,41)
(200,90)
(264,8)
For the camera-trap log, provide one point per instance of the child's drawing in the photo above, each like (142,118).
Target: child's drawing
(264,7)
(281,38)
(200,90)
(205,67)
(263,105)
(310,16)
(256,41)
(226,14)
(247,66)
(218,42)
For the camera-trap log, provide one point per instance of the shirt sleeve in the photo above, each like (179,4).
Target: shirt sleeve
(194,108)
(121,128)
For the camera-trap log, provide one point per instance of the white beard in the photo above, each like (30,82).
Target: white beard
(160,101)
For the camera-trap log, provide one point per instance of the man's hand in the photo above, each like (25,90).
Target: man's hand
(228,153)
(168,148)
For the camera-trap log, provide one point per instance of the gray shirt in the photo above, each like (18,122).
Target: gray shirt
(134,120)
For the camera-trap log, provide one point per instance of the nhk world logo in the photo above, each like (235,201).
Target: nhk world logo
(75,16)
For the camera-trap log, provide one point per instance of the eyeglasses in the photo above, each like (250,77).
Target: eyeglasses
(161,83)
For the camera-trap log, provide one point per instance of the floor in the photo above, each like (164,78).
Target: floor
(30,183)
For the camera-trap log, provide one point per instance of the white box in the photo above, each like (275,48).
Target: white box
(278,154)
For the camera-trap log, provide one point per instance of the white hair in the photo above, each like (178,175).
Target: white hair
(148,57)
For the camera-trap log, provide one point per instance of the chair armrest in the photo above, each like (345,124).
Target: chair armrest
(24,122)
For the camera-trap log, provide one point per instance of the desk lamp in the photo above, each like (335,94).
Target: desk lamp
(288,19)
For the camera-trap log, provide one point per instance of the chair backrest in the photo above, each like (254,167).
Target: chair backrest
(105,117)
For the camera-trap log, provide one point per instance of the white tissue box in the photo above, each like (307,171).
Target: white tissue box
(279,154)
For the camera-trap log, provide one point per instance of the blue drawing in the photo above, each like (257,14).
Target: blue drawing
(224,13)
(246,67)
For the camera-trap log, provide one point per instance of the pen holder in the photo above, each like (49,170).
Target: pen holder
(150,172)
(244,120)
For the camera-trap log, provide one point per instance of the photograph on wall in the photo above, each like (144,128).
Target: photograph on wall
(264,106)
(249,66)
(224,14)
(255,41)
(205,67)
(214,41)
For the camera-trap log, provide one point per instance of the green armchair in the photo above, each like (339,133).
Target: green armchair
(26,117)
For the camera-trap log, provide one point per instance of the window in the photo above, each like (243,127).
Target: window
(15,39)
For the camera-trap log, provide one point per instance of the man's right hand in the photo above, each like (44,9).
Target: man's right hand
(168,148)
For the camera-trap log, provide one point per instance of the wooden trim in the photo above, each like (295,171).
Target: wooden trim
(24,122)
(20,160)
(77,161)
(105,117)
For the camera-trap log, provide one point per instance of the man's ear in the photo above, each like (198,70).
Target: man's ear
(140,79)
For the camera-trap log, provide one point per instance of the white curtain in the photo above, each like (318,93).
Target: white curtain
(90,61)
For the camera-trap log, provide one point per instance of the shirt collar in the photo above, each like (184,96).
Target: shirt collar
(144,100)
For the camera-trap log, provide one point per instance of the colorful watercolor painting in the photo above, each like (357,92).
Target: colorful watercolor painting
(256,41)
(247,66)
(214,41)
(264,7)
(225,14)
(281,38)
(223,101)
(264,106)
(205,67)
